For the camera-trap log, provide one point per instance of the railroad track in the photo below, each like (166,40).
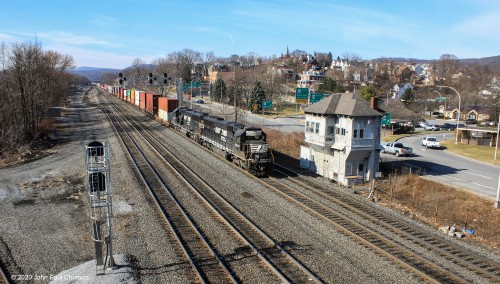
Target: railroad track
(423,268)
(206,264)
(271,255)
(4,275)
(466,260)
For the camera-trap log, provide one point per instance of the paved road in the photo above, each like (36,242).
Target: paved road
(478,177)
(284,124)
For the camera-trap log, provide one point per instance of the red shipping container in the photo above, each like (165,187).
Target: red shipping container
(166,106)
(152,104)
(142,100)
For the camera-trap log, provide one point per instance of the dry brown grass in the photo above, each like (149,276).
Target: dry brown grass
(431,202)
(440,205)
(286,143)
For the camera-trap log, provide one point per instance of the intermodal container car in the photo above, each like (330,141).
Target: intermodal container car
(132,97)
(152,104)
(166,106)
(137,98)
(142,98)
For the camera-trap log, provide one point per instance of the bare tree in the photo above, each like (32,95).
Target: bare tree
(351,57)
(183,62)
(447,65)
(137,72)
(31,81)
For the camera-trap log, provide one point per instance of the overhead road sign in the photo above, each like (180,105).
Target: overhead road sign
(386,119)
(267,104)
(316,98)
(301,95)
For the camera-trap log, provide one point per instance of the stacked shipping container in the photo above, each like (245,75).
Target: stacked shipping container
(152,104)
(166,106)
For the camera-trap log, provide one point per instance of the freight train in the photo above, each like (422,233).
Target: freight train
(244,146)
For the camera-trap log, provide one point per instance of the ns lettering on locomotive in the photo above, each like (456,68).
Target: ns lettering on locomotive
(242,145)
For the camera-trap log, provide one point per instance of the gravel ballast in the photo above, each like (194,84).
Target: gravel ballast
(46,228)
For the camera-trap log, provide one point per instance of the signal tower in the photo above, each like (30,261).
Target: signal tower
(100,202)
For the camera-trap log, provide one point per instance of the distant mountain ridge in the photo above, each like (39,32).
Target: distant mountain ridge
(491,60)
(93,73)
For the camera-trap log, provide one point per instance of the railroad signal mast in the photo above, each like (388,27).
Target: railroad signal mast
(100,202)
(153,80)
(121,79)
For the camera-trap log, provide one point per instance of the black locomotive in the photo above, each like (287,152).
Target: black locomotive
(244,146)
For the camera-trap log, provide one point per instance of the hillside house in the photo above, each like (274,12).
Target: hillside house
(398,90)
(309,78)
(342,133)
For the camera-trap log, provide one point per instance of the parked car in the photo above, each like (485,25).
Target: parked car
(200,101)
(431,142)
(421,124)
(488,123)
(449,126)
(397,149)
(432,127)
(471,121)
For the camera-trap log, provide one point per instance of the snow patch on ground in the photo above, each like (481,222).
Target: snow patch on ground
(86,273)
(122,207)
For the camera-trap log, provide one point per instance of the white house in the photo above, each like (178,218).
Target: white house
(399,90)
(309,78)
(342,134)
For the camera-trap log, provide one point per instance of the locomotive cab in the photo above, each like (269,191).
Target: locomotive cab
(257,153)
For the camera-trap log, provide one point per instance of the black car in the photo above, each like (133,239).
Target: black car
(448,126)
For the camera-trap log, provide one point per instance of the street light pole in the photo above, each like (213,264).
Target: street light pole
(191,87)
(444,112)
(309,94)
(458,116)
(497,201)
(498,132)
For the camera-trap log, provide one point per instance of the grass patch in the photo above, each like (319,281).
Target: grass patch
(480,153)
(441,205)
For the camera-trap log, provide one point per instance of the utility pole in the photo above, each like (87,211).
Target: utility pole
(235,106)
(458,116)
(497,200)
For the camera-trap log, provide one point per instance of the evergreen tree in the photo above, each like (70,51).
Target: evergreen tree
(257,96)
(368,92)
(220,90)
(408,97)
(330,85)
(329,58)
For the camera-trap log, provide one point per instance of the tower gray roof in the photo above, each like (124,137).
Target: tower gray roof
(345,104)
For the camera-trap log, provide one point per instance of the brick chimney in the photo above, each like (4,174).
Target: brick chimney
(373,103)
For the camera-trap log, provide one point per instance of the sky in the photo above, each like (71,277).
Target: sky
(112,34)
